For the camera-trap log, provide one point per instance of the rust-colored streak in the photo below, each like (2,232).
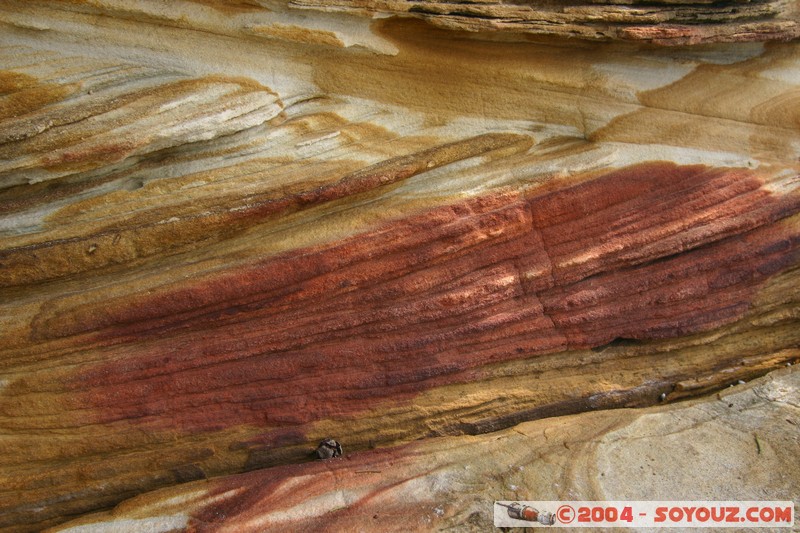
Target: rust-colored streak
(428,300)
(153,235)
(237,503)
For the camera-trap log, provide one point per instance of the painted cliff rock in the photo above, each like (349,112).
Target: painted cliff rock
(233,230)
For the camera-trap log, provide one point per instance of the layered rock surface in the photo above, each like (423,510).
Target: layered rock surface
(665,22)
(231,229)
(451,483)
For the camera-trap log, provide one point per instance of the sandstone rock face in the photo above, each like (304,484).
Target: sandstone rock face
(451,483)
(231,229)
(665,22)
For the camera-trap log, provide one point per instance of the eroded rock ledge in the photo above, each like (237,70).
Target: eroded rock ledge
(664,22)
(231,229)
(452,483)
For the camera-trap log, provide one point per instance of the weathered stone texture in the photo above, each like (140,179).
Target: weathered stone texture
(232,229)
(452,483)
